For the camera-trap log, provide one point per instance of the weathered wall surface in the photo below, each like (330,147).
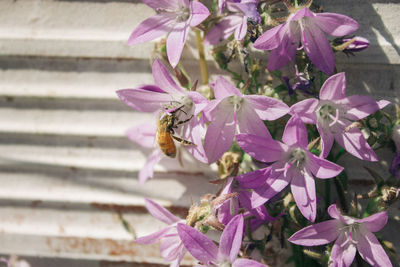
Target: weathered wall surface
(66,169)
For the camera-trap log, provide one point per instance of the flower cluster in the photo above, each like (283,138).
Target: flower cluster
(266,128)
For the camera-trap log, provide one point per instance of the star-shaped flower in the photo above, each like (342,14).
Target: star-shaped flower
(309,27)
(292,163)
(204,249)
(231,109)
(174,17)
(172,248)
(351,234)
(334,113)
(156,98)
(235,22)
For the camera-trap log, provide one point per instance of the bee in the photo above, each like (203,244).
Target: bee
(165,133)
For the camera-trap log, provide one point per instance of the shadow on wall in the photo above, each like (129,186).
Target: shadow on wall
(370,19)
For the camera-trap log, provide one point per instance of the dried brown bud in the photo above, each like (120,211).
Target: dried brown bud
(228,164)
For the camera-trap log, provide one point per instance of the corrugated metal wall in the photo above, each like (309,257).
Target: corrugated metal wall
(66,168)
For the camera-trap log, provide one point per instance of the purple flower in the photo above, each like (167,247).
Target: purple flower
(396,136)
(299,83)
(204,249)
(14,261)
(334,113)
(359,44)
(235,23)
(230,208)
(395,166)
(351,234)
(292,163)
(231,109)
(172,248)
(283,40)
(156,98)
(174,17)
(144,134)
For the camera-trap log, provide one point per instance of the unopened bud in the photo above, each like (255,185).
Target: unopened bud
(357,45)
(396,136)
(351,45)
(228,165)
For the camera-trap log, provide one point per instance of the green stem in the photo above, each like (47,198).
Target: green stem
(327,192)
(341,195)
(202,58)
(296,4)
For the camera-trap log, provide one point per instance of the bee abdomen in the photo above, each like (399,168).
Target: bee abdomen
(166,144)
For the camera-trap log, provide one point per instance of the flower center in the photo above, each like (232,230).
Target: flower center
(236,101)
(225,264)
(182,14)
(328,114)
(350,231)
(298,156)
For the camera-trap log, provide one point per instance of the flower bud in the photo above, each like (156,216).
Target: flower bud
(351,44)
(359,44)
(396,136)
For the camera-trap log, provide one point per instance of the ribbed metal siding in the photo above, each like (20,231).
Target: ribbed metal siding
(66,169)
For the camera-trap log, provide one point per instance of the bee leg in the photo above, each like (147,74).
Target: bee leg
(183,141)
(182,122)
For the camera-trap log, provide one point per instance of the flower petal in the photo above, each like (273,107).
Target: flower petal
(143,99)
(286,51)
(249,122)
(198,13)
(375,222)
(222,30)
(199,100)
(303,190)
(223,88)
(354,143)
(262,148)
(262,214)
(317,234)
(160,212)
(317,47)
(295,133)
(231,238)
(225,213)
(359,107)
(273,186)
(371,250)
(247,263)
(220,132)
(270,39)
(154,237)
(164,80)
(326,140)
(336,24)
(199,245)
(148,169)
(343,251)
(322,168)
(194,131)
(142,134)
(171,247)
(335,213)
(241,29)
(175,42)
(334,88)
(210,111)
(305,110)
(152,28)
(253,179)
(161,4)
(267,108)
